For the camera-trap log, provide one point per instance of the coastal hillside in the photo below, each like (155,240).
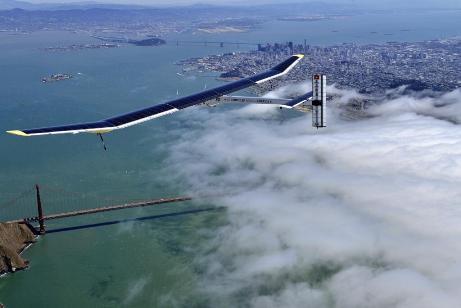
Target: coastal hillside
(14,238)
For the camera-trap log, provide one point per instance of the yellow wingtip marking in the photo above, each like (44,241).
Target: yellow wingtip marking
(17,133)
(300,55)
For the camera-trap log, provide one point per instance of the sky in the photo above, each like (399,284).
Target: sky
(381,3)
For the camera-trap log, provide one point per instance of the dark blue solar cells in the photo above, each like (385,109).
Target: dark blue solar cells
(285,64)
(207,95)
(139,114)
(264,75)
(100,124)
(178,103)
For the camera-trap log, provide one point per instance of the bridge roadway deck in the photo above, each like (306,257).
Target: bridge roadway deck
(105,209)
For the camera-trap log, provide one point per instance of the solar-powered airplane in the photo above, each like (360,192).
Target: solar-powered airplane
(208,97)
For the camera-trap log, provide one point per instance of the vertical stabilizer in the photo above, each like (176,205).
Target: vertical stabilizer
(319,98)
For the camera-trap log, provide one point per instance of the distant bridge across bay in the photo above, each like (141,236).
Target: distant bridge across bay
(212,43)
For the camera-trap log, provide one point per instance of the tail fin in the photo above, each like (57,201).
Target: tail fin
(319,98)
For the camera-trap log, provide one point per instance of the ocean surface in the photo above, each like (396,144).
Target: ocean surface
(147,263)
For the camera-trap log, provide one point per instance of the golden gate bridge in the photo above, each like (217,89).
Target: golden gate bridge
(43,203)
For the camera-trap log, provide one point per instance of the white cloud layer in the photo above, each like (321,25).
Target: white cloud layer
(363,213)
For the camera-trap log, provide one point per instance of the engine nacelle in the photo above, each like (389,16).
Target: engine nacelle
(319,99)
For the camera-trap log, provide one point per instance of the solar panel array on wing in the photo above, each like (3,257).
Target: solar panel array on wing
(157,109)
(145,114)
(285,64)
(193,99)
(263,76)
(139,114)
(235,86)
(72,127)
(210,94)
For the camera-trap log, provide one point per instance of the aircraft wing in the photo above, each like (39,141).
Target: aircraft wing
(139,116)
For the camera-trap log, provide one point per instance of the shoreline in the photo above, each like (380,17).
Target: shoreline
(15,238)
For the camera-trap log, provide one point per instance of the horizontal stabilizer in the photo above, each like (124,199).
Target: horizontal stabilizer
(297,101)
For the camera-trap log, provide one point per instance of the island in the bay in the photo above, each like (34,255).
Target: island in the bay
(152,41)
